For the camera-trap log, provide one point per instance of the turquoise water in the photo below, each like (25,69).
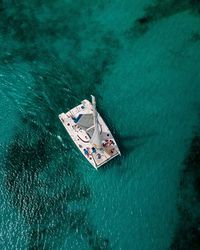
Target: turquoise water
(141,61)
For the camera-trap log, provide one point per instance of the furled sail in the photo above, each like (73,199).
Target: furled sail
(96,137)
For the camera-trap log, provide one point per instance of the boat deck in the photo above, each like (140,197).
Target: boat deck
(81,137)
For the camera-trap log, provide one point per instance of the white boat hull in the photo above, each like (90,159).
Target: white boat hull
(97,156)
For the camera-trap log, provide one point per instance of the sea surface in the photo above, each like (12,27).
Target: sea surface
(140,59)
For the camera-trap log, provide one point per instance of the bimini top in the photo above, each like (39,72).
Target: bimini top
(90,133)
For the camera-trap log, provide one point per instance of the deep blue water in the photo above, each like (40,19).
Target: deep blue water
(141,61)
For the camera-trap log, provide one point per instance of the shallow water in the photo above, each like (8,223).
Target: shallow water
(141,61)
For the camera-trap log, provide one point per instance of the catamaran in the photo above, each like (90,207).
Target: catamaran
(90,133)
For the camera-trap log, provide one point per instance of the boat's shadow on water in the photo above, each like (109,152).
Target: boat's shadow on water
(128,144)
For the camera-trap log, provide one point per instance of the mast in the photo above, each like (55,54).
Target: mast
(96,138)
